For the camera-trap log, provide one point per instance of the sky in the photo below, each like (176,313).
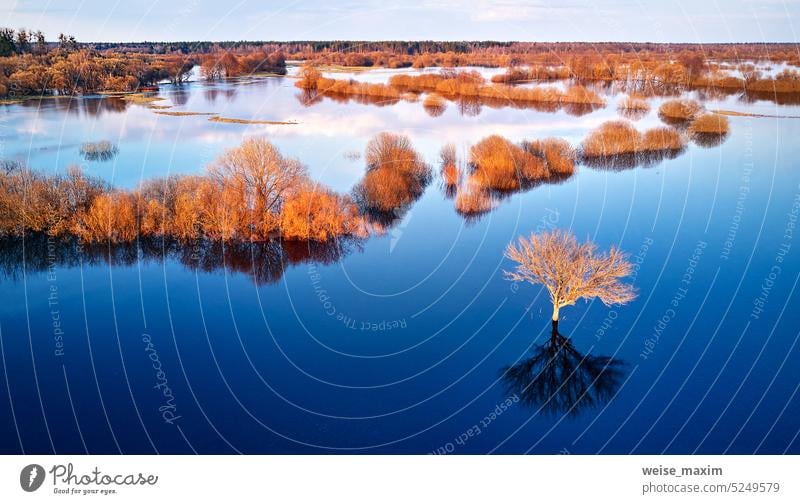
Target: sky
(526,20)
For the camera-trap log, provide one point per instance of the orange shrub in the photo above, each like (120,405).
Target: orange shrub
(254,179)
(612,138)
(385,190)
(434,104)
(558,154)
(499,164)
(473,199)
(153,218)
(309,78)
(221,212)
(681,110)
(615,138)
(318,214)
(662,138)
(111,217)
(396,174)
(433,100)
(710,124)
(451,175)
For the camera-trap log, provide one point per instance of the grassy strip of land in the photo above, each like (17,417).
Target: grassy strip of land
(180,114)
(234,120)
(735,113)
(141,98)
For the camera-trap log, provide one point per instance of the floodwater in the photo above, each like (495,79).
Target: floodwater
(409,342)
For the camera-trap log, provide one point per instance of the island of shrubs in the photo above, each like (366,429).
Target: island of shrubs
(448,84)
(705,129)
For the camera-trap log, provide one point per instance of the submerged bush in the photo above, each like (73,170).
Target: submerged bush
(714,124)
(558,154)
(634,102)
(473,200)
(709,130)
(451,175)
(673,111)
(316,213)
(254,178)
(98,151)
(618,145)
(633,107)
(662,138)
(251,193)
(453,85)
(396,174)
(502,165)
(312,80)
(111,217)
(434,104)
(612,138)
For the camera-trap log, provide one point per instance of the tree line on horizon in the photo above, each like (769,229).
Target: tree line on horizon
(29,65)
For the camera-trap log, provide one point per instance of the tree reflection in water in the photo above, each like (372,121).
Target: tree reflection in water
(558,379)
(264,262)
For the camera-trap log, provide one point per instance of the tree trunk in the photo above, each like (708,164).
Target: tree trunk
(555,322)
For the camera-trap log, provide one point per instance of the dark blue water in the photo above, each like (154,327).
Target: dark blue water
(398,343)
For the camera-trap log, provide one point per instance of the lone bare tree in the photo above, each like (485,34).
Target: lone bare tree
(570,270)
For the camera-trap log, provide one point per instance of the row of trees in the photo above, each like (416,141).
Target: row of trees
(29,66)
(22,41)
(84,71)
(252,192)
(227,64)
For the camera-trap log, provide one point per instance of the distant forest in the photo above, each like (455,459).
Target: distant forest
(31,66)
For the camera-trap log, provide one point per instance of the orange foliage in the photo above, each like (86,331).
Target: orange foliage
(680,110)
(451,174)
(615,138)
(499,164)
(254,178)
(710,124)
(111,217)
(473,200)
(316,213)
(558,154)
(396,174)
